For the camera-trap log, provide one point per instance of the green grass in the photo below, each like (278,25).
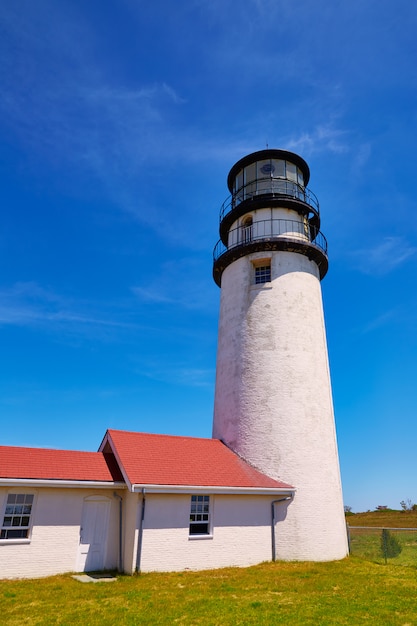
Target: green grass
(351,591)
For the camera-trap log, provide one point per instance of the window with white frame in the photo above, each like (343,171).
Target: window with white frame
(200,515)
(263,273)
(17,514)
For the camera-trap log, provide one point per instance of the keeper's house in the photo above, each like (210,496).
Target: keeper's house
(143,502)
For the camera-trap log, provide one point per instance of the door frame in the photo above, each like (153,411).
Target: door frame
(82,556)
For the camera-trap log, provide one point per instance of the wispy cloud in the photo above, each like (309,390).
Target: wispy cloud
(179,374)
(30,305)
(153,294)
(384,257)
(322,138)
(59,99)
(179,283)
(380,321)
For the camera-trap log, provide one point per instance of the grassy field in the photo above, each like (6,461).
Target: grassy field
(354,591)
(385,519)
(351,591)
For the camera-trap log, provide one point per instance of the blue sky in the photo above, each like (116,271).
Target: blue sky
(119,122)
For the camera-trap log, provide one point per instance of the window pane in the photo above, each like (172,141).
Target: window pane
(16,520)
(265,172)
(291,172)
(266,168)
(250,180)
(279,168)
(262,274)
(238,188)
(250,173)
(239,181)
(17,534)
(199,529)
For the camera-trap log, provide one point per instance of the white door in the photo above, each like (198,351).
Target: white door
(93,534)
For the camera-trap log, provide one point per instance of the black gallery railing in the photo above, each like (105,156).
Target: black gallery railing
(274,187)
(272,230)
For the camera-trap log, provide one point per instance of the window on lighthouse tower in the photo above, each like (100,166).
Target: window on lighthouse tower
(263,273)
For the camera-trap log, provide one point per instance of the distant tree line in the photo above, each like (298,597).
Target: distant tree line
(406,505)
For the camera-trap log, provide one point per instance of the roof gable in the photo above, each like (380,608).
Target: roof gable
(149,459)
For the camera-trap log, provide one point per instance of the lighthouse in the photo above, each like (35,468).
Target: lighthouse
(273,400)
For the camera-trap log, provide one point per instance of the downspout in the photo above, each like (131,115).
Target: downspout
(273,503)
(140,537)
(116,495)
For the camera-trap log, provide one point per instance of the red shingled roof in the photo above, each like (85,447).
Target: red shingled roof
(146,459)
(47,464)
(149,459)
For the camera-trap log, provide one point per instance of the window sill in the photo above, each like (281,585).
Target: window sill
(194,537)
(6,542)
(261,286)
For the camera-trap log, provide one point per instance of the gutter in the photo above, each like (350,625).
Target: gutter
(199,489)
(273,503)
(56,482)
(140,537)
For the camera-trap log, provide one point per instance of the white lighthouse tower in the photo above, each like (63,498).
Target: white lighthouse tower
(273,401)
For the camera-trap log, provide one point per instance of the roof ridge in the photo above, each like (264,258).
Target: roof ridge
(136,432)
(43,449)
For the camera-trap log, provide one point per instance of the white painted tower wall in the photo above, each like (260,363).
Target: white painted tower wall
(273,401)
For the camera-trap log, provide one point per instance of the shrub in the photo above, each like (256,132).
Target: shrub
(390,546)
